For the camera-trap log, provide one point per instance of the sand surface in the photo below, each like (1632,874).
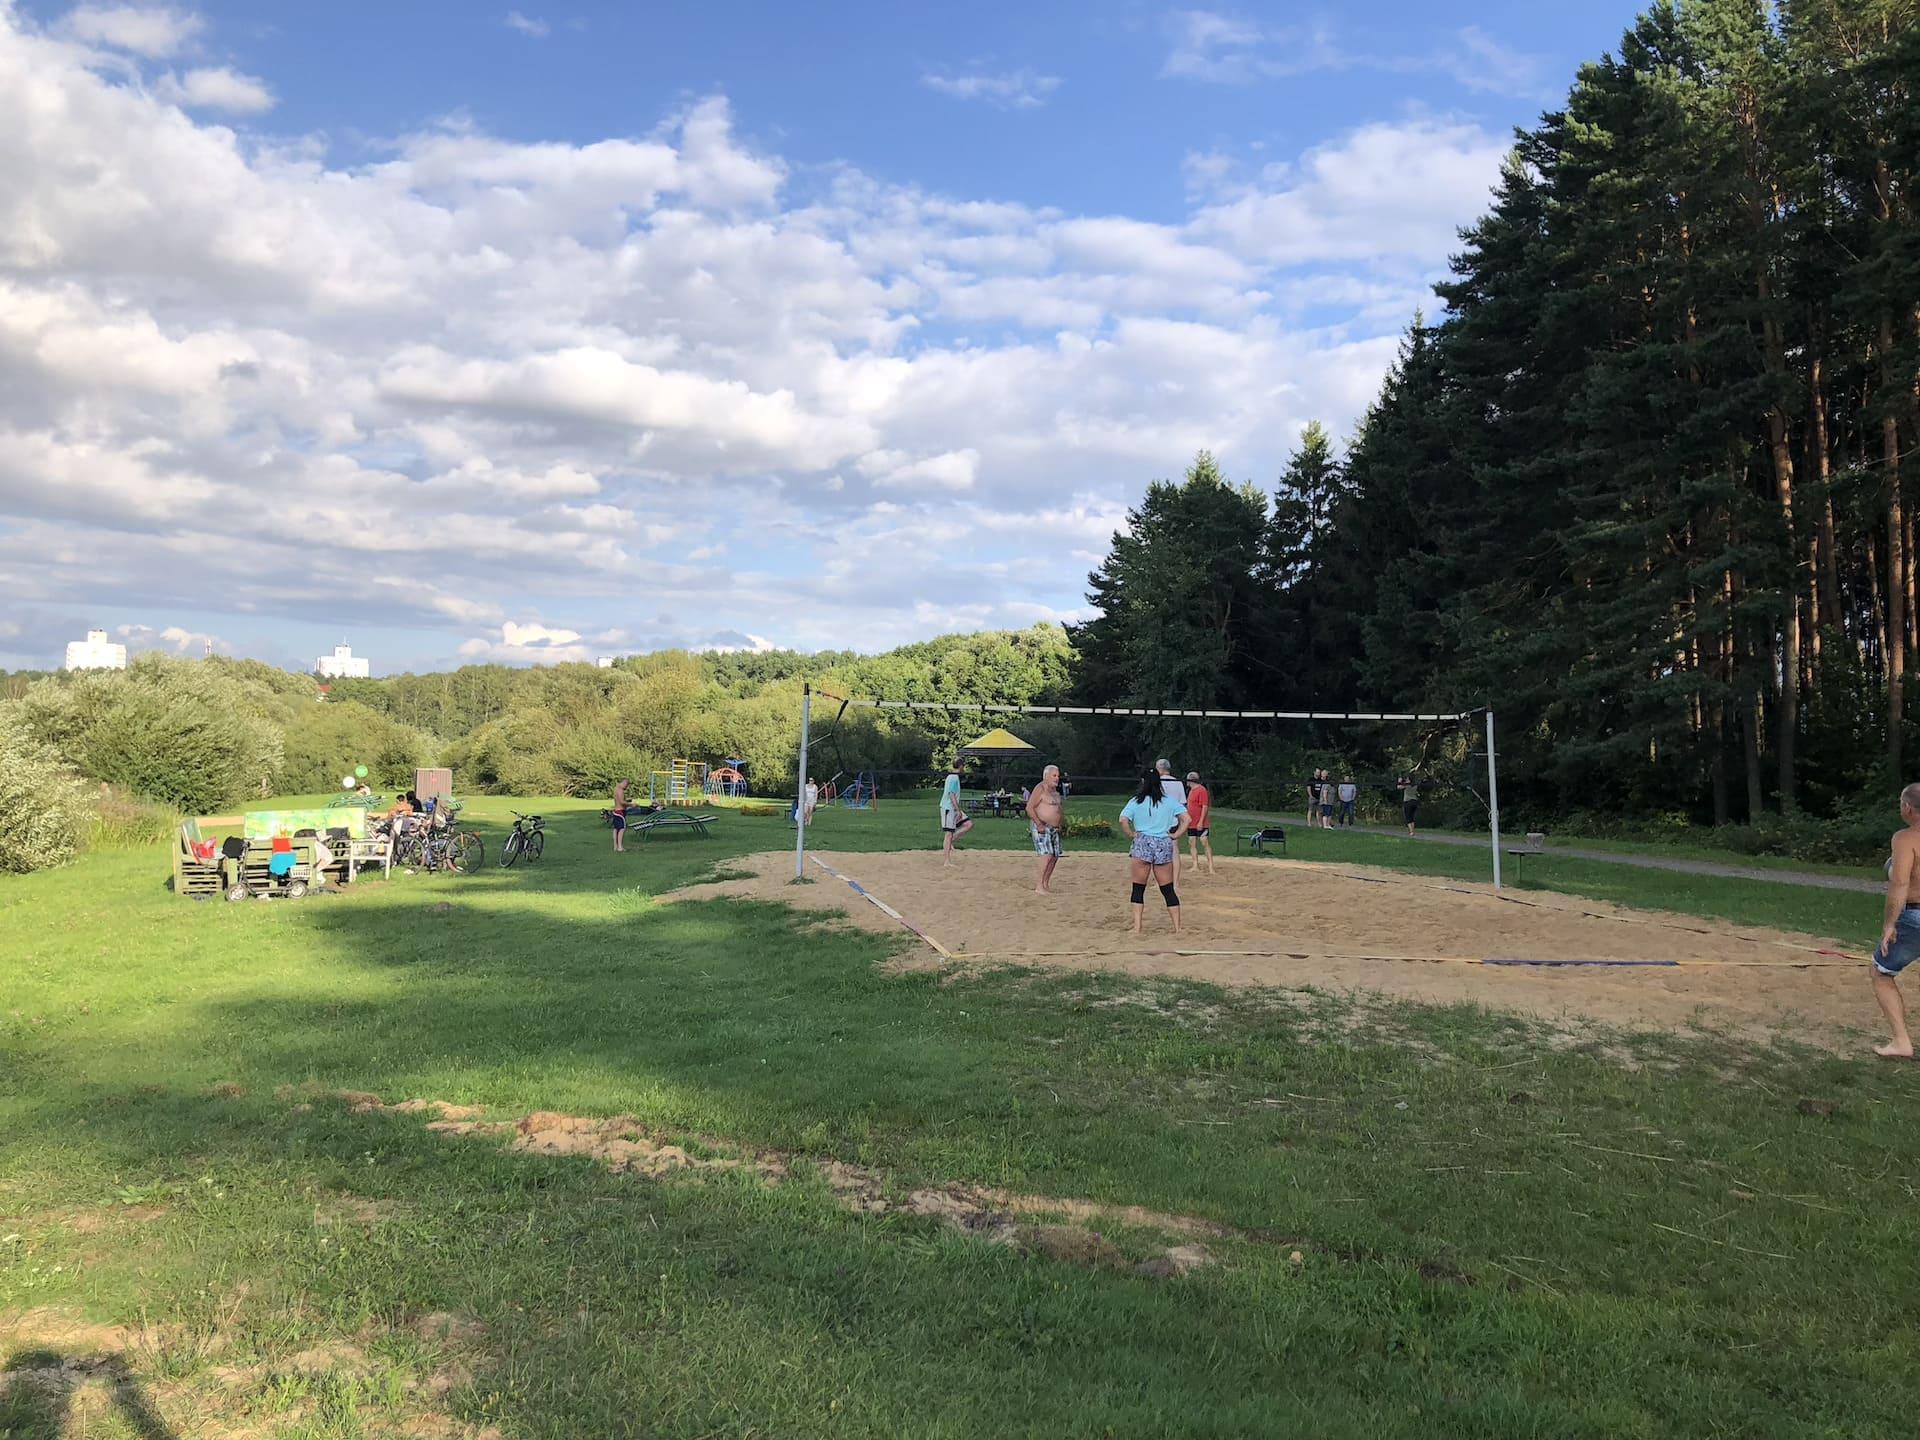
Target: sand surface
(1264,922)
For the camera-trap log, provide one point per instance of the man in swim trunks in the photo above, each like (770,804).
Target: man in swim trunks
(954,820)
(1199,820)
(1047,815)
(617,817)
(1900,935)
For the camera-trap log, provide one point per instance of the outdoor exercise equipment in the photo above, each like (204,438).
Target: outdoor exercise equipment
(862,794)
(685,783)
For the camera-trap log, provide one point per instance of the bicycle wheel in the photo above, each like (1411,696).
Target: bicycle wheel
(536,845)
(466,853)
(511,852)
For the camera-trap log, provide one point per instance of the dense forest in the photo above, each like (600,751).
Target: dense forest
(1648,486)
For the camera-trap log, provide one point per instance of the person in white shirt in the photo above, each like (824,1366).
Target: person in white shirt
(813,797)
(1172,789)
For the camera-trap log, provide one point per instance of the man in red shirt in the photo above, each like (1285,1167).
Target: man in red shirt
(1199,817)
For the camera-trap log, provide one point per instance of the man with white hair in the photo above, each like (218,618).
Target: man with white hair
(1047,815)
(1900,934)
(1170,787)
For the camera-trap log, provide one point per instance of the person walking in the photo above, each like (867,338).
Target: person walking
(1154,822)
(617,817)
(1900,928)
(1326,799)
(1349,797)
(813,797)
(1409,800)
(954,820)
(1199,821)
(1047,817)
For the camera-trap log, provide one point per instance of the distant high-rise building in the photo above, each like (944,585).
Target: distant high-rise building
(605,662)
(343,664)
(96,652)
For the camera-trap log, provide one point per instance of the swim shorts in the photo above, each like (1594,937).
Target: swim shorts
(617,819)
(1906,944)
(1047,840)
(1154,849)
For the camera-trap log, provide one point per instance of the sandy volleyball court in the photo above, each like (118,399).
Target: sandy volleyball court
(1348,927)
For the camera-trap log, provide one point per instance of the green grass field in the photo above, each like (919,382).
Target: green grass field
(1496,1234)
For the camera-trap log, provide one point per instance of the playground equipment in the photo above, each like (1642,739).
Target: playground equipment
(830,791)
(861,794)
(684,784)
(727,780)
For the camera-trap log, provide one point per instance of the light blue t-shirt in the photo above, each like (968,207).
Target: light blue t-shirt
(950,796)
(1153,817)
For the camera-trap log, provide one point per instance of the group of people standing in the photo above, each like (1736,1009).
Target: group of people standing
(1162,811)
(1323,796)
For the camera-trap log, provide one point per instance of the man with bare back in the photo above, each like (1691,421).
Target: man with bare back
(1047,814)
(1900,938)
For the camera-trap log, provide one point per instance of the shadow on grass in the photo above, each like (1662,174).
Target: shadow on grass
(37,1388)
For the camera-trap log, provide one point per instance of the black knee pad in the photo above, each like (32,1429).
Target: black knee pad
(1140,893)
(1170,895)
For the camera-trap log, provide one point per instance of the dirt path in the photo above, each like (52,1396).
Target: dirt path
(1352,928)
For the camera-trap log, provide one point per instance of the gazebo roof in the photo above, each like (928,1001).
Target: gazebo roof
(997,742)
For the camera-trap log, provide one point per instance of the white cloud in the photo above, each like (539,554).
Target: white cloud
(216,89)
(1006,90)
(155,31)
(1221,49)
(497,391)
(527,25)
(174,638)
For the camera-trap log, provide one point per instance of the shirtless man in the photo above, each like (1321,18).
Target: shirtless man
(1900,938)
(1046,813)
(617,817)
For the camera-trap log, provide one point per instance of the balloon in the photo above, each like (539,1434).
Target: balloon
(361,771)
(346,782)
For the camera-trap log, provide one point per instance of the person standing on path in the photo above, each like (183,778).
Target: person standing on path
(1409,800)
(954,820)
(1154,823)
(617,817)
(1199,811)
(1900,933)
(1047,816)
(1349,797)
(1326,799)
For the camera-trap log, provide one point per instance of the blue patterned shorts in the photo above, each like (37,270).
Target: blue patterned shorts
(1154,849)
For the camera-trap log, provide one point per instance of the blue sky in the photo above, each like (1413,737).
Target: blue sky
(462,331)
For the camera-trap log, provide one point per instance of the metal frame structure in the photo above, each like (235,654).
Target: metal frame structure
(1129,711)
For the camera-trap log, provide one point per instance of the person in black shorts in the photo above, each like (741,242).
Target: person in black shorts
(1409,799)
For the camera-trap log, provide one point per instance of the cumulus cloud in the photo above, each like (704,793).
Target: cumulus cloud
(527,25)
(216,89)
(1006,90)
(175,639)
(494,391)
(155,31)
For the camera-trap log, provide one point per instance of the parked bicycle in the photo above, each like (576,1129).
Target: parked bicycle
(435,843)
(528,838)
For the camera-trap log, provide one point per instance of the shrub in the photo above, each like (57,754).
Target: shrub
(1083,826)
(45,808)
(188,734)
(122,822)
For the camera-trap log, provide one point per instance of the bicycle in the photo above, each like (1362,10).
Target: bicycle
(528,837)
(436,845)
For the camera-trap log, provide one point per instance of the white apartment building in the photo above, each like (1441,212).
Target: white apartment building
(343,664)
(96,652)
